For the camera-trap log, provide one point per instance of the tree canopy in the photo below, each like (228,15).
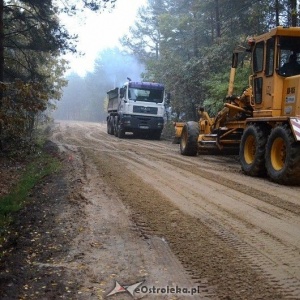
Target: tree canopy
(188,44)
(31,69)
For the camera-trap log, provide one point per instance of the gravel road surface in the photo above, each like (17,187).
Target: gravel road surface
(136,211)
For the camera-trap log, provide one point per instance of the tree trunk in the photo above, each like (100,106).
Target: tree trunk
(1,43)
(218,25)
(277,12)
(1,65)
(293,4)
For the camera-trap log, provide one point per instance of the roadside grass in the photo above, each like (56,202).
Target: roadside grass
(41,165)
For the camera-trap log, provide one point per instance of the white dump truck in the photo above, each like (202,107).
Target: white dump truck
(136,107)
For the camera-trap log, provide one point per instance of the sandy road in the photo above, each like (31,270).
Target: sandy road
(237,237)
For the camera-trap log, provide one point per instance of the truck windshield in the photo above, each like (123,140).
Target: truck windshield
(146,95)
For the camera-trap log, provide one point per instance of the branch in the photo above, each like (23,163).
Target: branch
(20,31)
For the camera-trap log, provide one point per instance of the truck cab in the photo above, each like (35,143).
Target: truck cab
(140,109)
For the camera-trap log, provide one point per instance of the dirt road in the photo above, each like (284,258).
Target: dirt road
(148,214)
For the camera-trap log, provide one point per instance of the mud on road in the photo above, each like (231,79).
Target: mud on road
(135,210)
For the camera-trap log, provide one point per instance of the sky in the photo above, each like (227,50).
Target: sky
(97,31)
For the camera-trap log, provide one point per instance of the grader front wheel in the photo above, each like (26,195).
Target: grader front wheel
(283,156)
(189,139)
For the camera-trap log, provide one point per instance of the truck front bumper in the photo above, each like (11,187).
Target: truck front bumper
(141,123)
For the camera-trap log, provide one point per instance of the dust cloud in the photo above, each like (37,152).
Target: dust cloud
(84,98)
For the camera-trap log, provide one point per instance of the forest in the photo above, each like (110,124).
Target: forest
(184,44)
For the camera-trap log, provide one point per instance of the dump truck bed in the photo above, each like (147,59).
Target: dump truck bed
(113,100)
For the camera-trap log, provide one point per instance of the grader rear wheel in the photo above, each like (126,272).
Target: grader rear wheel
(283,156)
(278,153)
(252,150)
(189,139)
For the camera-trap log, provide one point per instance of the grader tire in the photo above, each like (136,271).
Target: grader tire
(189,139)
(283,156)
(252,150)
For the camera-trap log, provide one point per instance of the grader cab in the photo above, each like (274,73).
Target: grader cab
(263,124)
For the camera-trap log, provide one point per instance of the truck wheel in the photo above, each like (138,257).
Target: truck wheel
(156,135)
(109,126)
(112,125)
(116,126)
(189,139)
(283,156)
(120,131)
(252,150)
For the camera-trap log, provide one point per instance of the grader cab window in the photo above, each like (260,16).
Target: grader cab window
(258,57)
(270,57)
(289,56)
(258,87)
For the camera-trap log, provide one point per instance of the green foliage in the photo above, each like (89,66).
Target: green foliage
(31,71)
(41,166)
(32,37)
(21,106)
(217,86)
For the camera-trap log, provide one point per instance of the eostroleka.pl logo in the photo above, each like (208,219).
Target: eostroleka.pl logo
(125,288)
(138,288)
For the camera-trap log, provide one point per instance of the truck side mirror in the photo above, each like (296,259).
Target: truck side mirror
(122,92)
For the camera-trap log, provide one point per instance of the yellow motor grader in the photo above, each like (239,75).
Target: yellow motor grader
(263,123)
